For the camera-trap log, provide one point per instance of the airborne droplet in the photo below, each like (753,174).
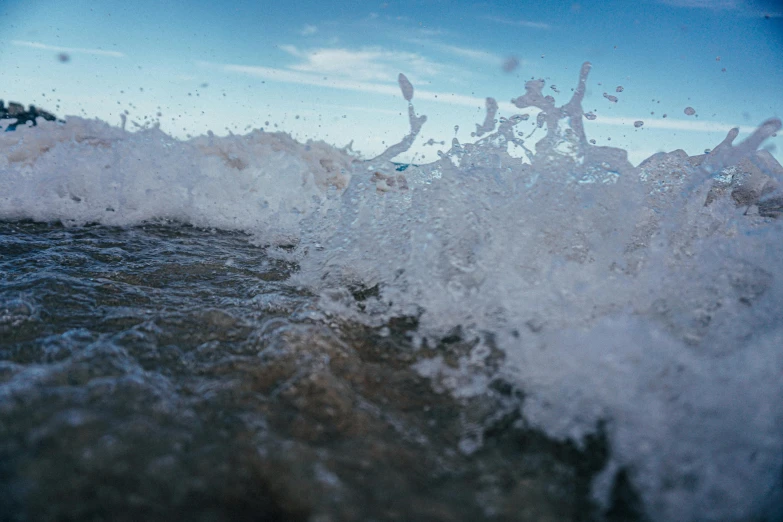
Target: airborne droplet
(619,88)
(690,111)
(611,98)
(638,123)
(511,63)
(405,87)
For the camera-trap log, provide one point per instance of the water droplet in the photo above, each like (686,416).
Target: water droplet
(590,116)
(638,123)
(690,111)
(611,98)
(405,87)
(619,88)
(511,63)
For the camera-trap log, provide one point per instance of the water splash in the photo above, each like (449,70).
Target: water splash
(618,297)
(642,299)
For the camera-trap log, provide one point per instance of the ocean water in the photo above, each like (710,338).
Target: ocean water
(143,278)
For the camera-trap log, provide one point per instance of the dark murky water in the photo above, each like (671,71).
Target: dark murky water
(166,372)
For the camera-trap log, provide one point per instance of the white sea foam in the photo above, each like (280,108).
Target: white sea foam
(641,299)
(89,172)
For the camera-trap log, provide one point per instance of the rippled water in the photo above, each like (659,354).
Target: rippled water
(165,371)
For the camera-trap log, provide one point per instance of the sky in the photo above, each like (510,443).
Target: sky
(328,69)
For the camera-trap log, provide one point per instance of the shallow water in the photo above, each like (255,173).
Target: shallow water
(166,371)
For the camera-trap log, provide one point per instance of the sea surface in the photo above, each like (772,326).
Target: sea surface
(252,328)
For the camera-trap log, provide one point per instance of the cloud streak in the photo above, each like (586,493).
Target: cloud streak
(672,124)
(740,7)
(70,50)
(462,52)
(517,23)
(363,65)
(703,4)
(392,89)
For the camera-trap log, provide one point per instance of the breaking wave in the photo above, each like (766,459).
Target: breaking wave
(642,301)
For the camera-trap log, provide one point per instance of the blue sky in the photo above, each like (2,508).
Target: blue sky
(328,70)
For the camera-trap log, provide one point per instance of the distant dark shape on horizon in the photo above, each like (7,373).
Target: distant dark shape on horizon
(16,111)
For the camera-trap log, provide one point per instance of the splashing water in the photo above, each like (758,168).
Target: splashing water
(640,301)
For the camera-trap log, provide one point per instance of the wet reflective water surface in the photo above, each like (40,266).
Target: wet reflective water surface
(166,371)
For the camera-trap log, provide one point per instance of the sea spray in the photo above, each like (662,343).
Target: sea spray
(86,171)
(639,299)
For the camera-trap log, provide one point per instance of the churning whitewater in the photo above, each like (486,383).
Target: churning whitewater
(640,302)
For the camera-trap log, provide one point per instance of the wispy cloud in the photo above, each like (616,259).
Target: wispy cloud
(740,7)
(423,31)
(308,29)
(673,124)
(287,76)
(462,52)
(70,50)
(318,80)
(517,22)
(703,4)
(362,65)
